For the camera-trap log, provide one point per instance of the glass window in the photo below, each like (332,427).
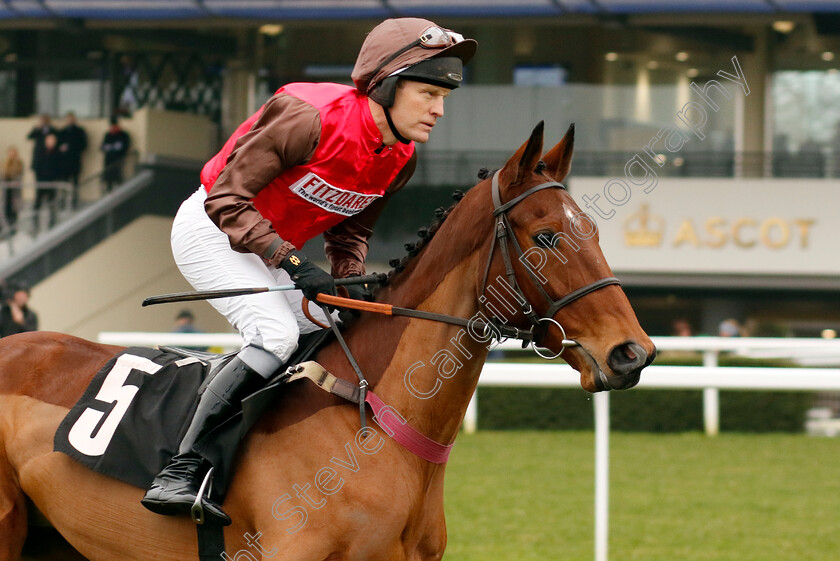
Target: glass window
(806,107)
(548,75)
(83,97)
(806,122)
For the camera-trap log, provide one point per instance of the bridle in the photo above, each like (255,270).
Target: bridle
(485,330)
(503,233)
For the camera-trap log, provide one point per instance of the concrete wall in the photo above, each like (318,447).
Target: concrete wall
(173,134)
(103,289)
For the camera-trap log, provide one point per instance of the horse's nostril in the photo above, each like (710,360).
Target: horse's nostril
(626,358)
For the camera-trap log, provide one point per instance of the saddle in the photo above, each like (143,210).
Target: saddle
(132,417)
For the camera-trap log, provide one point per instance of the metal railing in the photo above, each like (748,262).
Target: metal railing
(59,200)
(51,199)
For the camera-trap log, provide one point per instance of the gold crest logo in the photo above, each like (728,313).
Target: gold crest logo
(643,229)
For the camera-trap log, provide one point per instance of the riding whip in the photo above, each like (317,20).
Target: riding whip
(211,294)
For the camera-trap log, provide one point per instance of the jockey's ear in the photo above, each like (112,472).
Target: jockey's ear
(558,160)
(523,163)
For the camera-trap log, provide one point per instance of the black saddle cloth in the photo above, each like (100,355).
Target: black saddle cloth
(131,418)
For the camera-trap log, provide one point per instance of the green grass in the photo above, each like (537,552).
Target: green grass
(675,497)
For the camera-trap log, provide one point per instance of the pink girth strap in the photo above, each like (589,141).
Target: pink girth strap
(398,429)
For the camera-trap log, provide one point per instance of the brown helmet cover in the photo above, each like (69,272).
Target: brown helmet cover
(389,37)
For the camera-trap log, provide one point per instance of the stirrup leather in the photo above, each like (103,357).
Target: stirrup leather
(323,379)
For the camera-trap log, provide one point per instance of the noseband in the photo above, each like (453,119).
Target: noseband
(503,233)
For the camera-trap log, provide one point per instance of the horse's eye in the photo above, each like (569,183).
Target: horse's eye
(544,239)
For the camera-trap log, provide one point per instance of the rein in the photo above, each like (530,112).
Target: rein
(403,433)
(506,331)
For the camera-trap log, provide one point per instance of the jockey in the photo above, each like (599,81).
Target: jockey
(315,159)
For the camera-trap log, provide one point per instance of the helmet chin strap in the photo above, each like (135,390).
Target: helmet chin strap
(393,127)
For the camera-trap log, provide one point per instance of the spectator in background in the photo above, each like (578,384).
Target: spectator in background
(729,328)
(15,315)
(39,135)
(48,171)
(11,177)
(114,147)
(72,142)
(185,323)
(681,328)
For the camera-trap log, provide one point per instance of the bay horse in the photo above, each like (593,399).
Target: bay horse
(306,486)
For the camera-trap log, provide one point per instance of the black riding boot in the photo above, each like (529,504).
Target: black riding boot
(175,488)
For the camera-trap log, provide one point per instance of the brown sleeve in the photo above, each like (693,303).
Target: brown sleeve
(346,243)
(285,135)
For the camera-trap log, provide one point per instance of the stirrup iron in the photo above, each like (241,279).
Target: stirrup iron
(197,510)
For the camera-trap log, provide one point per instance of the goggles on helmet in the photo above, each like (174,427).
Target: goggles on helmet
(435,37)
(430,38)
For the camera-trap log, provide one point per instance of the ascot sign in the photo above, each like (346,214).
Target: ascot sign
(733,226)
(645,229)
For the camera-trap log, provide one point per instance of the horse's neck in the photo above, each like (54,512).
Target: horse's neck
(434,368)
(428,370)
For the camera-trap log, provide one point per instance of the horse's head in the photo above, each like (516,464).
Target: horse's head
(546,257)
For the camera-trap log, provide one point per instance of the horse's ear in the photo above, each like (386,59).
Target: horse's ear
(522,163)
(558,161)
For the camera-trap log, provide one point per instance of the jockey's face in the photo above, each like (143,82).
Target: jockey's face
(417,107)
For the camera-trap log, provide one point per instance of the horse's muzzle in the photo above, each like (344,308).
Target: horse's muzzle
(626,362)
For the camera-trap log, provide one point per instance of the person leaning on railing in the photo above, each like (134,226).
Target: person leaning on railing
(11,176)
(114,148)
(72,142)
(47,174)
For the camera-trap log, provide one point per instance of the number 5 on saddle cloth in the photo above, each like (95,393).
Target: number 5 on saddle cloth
(132,417)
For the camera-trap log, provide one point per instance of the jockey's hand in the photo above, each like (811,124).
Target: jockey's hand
(358,291)
(308,277)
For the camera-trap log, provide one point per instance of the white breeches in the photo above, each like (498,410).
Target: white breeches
(272,320)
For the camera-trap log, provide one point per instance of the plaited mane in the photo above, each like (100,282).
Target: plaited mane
(426,233)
